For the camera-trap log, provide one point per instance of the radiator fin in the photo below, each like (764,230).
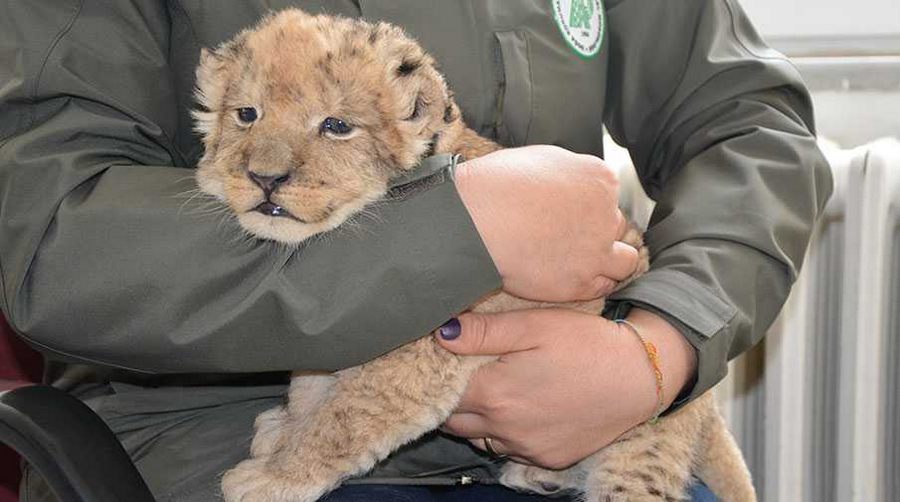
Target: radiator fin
(890,473)
(823,368)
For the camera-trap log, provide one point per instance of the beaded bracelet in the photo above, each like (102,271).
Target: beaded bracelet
(653,357)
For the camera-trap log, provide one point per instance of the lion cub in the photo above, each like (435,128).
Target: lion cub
(306,120)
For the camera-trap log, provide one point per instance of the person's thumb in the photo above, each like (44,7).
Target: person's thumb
(486,334)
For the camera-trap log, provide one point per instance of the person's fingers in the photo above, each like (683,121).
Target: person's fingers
(473,400)
(475,428)
(485,392)
(601,170)
(619,264)
(467,425)
(488,334)
(494,446)
(500,450)
(621,225)
(623,261)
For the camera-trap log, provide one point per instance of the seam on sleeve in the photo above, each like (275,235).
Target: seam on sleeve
(673,92)
(3,286)
(169,145)
(45,349)
(740,40)
(177,4)
(32,95)
(35,247)
(729,4)
(672,124)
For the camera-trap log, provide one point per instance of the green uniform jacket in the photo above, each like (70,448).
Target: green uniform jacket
(105,261)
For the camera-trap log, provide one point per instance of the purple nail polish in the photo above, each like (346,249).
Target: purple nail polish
(450,330)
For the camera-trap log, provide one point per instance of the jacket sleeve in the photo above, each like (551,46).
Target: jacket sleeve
(720,128)
(104,257)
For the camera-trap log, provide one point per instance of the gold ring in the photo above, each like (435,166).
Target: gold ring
(489,447)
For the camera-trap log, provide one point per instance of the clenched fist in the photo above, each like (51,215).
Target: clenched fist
(550,221)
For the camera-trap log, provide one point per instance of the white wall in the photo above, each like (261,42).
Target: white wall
(816,18)
(848,52)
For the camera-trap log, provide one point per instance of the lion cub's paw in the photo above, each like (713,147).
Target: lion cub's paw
(532,479)
(268,425)
(254,481)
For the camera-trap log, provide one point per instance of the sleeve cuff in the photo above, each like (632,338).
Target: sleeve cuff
(702,317)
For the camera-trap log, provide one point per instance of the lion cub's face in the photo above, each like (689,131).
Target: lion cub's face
(308,117)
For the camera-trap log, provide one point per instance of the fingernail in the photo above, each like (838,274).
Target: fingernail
(450,330)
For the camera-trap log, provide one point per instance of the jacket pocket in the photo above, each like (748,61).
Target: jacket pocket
(515,98)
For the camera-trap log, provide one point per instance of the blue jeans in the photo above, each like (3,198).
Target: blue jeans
(478,493)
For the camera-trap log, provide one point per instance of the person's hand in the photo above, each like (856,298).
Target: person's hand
(566,384)
(550,221)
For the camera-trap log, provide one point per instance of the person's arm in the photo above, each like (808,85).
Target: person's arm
(719,128)
(105,260)
(108,256)
(721,131)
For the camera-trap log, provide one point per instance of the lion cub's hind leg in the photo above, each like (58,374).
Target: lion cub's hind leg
(652,462)
(722,465)
(533,479)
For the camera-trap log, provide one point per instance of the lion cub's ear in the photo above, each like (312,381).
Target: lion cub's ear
(412,70)
(214,72)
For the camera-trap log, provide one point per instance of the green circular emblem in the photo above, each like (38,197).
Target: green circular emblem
(582,23)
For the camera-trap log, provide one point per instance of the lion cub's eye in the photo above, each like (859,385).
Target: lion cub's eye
(247,114)
(335,126)
(417,109)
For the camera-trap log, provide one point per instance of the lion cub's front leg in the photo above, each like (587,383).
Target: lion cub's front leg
(369,411)
(307,393)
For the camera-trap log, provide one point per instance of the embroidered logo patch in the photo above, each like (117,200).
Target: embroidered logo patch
(582,23)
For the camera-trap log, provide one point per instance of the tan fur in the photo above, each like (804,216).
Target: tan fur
(296,70)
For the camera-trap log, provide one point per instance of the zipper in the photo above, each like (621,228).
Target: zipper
(466,480)
(463,480)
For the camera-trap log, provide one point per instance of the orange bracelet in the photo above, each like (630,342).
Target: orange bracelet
(653,357)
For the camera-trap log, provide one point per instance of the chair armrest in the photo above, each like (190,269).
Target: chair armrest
(70,446)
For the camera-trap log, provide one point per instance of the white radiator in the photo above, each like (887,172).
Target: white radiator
(816,406)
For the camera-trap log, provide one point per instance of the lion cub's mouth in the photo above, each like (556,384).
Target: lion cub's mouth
(271,220)
(273,210)
(270,209)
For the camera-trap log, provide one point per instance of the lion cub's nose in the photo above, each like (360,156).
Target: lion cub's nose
(268,183)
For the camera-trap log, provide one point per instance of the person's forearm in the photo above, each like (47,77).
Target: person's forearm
(131,276)
(106,259)
(677,357)
(721,136)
